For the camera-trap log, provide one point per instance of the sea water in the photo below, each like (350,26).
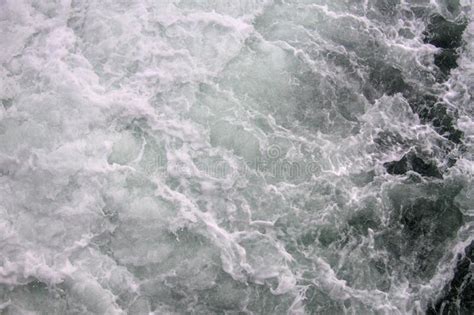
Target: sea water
(236,156)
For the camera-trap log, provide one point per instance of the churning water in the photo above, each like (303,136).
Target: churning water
(236,157)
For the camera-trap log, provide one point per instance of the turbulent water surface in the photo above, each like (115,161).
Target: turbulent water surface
(236,157)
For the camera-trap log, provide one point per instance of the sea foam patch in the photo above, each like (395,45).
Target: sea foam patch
(228,157)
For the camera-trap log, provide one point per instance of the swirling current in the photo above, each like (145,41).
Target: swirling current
(236,157)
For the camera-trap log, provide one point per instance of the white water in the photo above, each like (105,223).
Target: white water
(217,156)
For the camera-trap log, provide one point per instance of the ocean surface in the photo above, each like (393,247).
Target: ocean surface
(236,157)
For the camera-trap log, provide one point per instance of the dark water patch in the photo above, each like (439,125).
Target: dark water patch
(411,161)
(458,295)
(363,178)
(423,221)
(443,33)
(446,60)
(432,110)
(319,302)
(417,219)
(387,7)
(228,296)
(363,220)
(453,6)
(262,301)
(429,107)
(446,35)
(7,103)
(328,235)
(325,235)
(33,297)
(387,79)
